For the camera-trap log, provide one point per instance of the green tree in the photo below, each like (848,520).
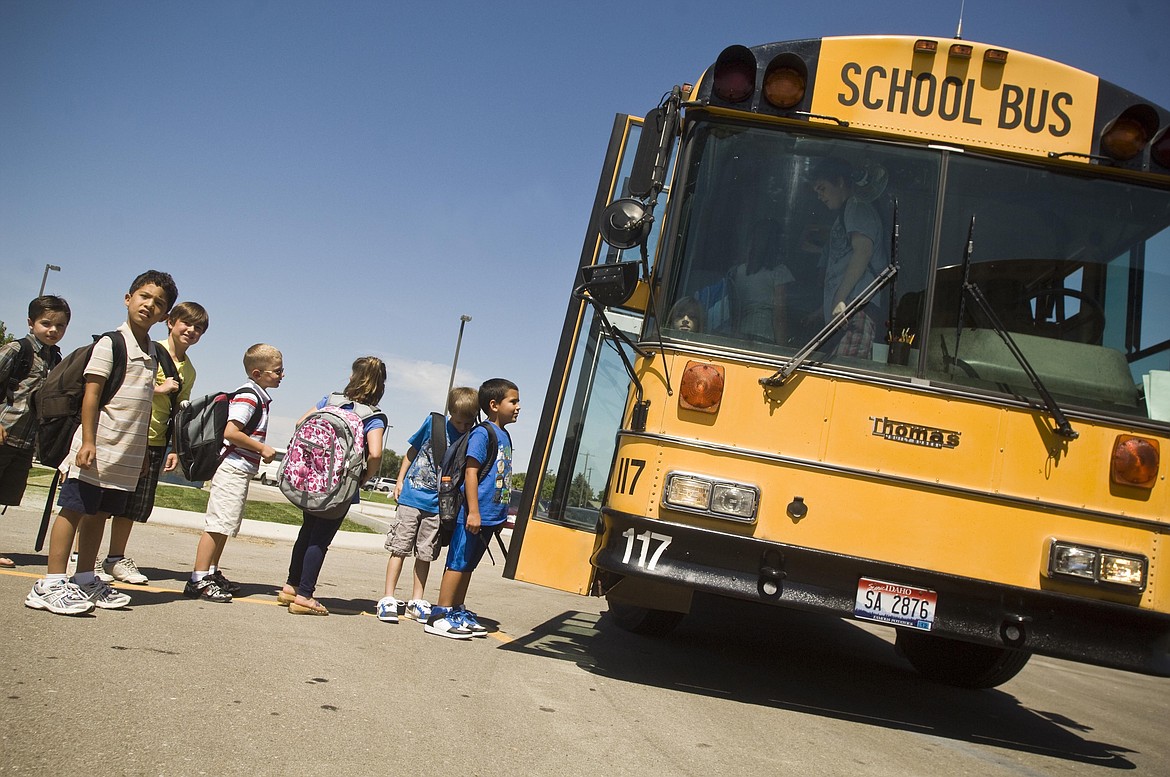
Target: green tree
(391,461)
(580,492)
(519,480)
(5,338)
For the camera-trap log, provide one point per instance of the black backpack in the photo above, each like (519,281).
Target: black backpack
(58,400)
(199,425)
(451,475)
(21,367)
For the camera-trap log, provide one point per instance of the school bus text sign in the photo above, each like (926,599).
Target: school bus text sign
(1027,105)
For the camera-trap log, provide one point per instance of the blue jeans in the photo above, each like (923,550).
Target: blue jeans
(309,551)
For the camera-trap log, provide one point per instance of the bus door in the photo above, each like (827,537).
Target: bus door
(557,522)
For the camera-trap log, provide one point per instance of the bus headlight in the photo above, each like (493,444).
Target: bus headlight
(1096,565)
(733,501)
(687,492)
(717,498)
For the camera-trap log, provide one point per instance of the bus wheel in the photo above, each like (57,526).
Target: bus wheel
(962,664)
(643,620)
(263,479)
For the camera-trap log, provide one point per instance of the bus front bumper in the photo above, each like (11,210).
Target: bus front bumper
(1042,622)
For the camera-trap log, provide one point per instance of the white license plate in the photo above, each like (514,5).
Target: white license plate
(896,604)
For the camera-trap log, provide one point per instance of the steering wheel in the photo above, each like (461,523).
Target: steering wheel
(1086,326)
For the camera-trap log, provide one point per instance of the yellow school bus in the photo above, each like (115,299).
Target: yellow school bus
(874,327)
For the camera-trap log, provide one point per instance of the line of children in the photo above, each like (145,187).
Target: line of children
(48,318)
(119,451)
(106,456)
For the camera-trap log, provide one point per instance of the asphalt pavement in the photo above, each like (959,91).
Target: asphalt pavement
(173,686)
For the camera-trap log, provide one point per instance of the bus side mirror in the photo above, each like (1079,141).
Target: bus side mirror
(625,223)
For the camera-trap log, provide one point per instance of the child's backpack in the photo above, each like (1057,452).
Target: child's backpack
(21,367)
(58,400)
(451,475)
(326,457)
(198,428)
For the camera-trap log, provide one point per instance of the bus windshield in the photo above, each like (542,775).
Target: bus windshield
(777,229)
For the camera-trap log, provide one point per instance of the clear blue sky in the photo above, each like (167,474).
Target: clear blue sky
(347,178)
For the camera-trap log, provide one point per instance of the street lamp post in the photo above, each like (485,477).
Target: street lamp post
(455,363)
(45,277)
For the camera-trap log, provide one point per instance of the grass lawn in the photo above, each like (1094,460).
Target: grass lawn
(195,500)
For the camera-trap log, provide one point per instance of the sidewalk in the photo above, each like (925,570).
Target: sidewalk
(376,516)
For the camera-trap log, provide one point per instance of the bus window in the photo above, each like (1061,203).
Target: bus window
(761,257)
(1052,255)
(584,441)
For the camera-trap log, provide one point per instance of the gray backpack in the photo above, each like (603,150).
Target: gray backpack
(326,457)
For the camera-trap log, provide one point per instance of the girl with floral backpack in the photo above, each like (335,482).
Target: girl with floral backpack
(313,466)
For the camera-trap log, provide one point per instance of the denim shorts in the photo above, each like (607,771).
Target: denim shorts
(88,499)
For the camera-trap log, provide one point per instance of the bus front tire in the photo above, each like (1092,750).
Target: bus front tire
(643,620)
(961,664)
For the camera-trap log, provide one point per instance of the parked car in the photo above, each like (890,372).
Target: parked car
(267,472)
(385,485)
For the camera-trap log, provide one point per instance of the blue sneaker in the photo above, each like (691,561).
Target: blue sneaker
(445,623)
(417,610)
(388,609)
(468,621)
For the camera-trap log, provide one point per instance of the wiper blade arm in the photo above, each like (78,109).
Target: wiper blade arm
(971,289)
(835,323)
(1063,428)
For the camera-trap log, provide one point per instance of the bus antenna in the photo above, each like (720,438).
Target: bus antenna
(959,32)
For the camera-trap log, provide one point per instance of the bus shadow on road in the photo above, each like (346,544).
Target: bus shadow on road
(785,659)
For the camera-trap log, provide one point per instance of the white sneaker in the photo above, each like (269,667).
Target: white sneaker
(124,571)
(418,610)
(388,609)
(61,597)
(102,574)
(103,595)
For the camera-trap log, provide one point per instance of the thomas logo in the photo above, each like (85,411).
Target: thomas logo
(914,434)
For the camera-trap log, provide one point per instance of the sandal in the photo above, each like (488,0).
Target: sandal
(313,608)
(283,597)
(6,562)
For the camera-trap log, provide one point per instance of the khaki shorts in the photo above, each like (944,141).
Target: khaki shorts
(225,504)
(416,532)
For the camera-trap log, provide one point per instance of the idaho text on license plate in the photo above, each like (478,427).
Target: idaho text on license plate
(894,603)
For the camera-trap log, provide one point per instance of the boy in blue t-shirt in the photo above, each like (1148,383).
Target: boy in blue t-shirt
(484,511)
(417,494)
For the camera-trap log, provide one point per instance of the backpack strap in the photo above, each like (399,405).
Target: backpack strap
(254,419)
(117,366)
(438,438)
(21,368)
(171,370)
(493,445)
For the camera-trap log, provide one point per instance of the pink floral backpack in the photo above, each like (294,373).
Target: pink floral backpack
(326,457)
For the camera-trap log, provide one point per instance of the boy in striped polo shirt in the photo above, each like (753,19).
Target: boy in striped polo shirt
(107,455)
(229,486)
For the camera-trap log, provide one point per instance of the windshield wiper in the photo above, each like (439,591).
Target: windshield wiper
(1063,428)
(781,376)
